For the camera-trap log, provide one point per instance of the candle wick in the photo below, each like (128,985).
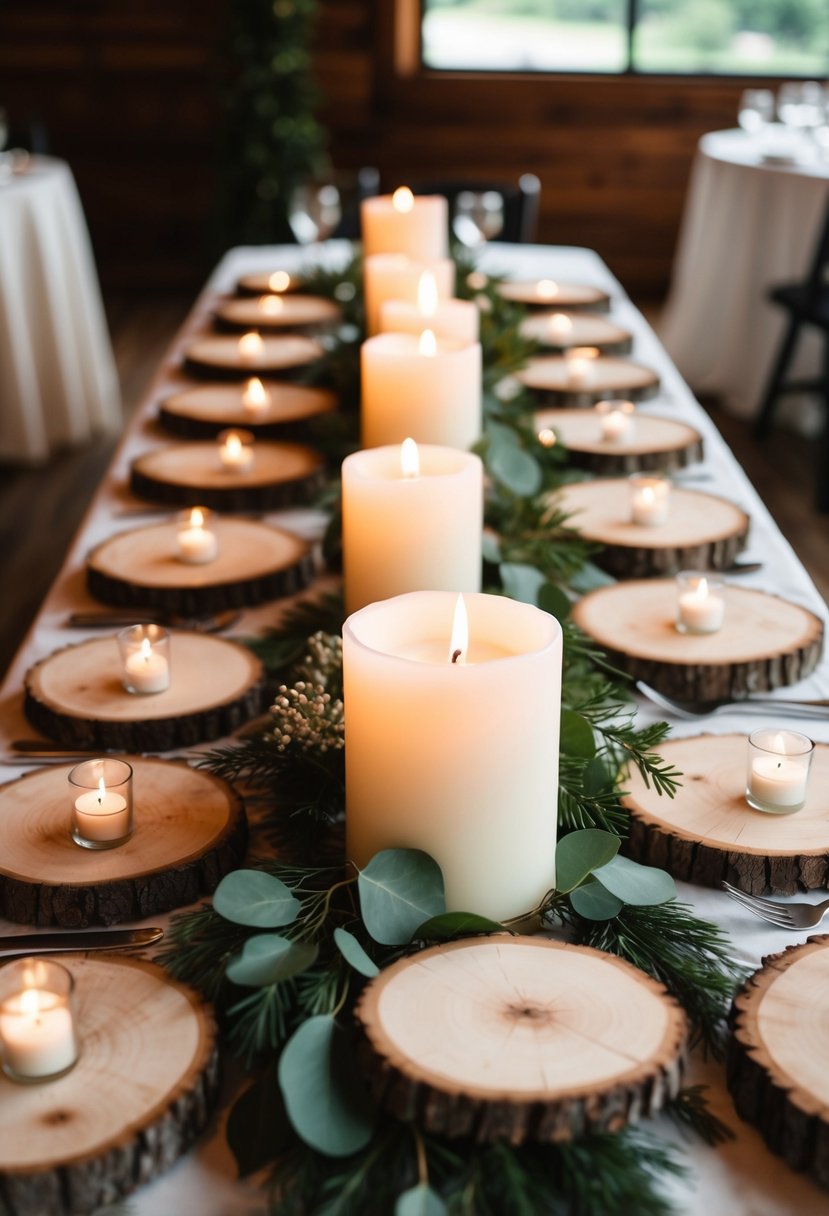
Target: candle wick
(456,654)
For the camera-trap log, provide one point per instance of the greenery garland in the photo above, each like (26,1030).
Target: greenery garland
(283,997)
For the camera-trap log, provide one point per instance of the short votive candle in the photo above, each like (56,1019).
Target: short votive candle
(255,398)
(580,362)
(102,806)
(38,1037)
(617,420)
(650,498)
(251,348)
(700,602)
(197,544)
(235,450)
(778,770)
(145,658)
(560,329)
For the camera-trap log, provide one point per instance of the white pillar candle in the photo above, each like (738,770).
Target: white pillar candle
(699,603)
(412,528)
(649,500)
(420,387)
(404,223)
(459,759)
(458,320)
(393,276)
(778,770)
(251,348)
(37,1029)
(580,363)
(196,543)
(616,420)
(235,450)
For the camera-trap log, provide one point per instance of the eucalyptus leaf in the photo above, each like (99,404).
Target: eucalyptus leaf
(490,548)
(639,885)
(257,1126)
(325,1095)
(251,897)
(593,902)
(456,924)
(399,890)
(577,738)
(555,601)
(515,468)
(421,1200)
(268,958)
(354,954)
(521,582)
(580,853)
(590,578)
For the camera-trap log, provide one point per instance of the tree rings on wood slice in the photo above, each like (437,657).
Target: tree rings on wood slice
(201,413)
(520,1038)
(144,1088)
(702,531)
(708,832)
(551,295)
(765,642)
(191,475)
(778,1055)
(255,563)
(277,312)
(262,283)
(558,330)
(76,697)
(555,382)
(656,443)
(219,355)
(190,830)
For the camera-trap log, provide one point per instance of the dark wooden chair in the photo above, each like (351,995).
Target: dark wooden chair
(520,202)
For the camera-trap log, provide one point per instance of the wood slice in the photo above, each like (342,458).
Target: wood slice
(256,563)
(778,1055)
(519,1038)
(218,356)
(190,474)
(765,643)
(702,532)
(201,413)
(75,696)
(553,383)
(142,1091)
(547,294)
(583,329)
(280,313)
(190,830)
(657,443)
(263,282)
(708,832)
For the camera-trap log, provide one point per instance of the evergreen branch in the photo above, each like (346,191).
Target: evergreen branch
(691,1112)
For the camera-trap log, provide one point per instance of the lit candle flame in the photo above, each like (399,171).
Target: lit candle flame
(102,790)
(197,518)
(560,325)
(409,459)
(778,744)
(547,437)
(427,344)
(255,397)
(280,280)
(146,655)
(30,1002)
(700,590)
(427,294)
(647,496)
(459,643)
(402,200)
(233,445)
(546,289)
(251,347)
(271,306)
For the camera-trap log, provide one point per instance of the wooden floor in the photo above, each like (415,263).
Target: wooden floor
(40,509)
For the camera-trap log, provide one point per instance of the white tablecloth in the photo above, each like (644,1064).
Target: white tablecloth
(739,1179)
(747,224)
(58,383)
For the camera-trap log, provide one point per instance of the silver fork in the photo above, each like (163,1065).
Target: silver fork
(784,916)
(701,709)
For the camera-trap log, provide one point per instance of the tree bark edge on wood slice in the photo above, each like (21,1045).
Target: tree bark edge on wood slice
(263,497)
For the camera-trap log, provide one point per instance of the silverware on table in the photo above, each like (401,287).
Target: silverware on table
(215,622)
(701,709)
(83,939)
(784,916)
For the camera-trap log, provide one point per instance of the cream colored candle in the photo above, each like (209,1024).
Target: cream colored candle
(251,348)
(778,770)
(404,223)
(410,527)
(617,420)
(197,545)
(459,759)
(580,363)
(458,320)
(420,387)
(255,398)
(650,500)
(393,276)
(235,450)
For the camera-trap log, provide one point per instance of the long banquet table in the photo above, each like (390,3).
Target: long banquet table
(740,1178)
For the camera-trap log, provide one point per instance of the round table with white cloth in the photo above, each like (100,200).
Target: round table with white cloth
(58,383)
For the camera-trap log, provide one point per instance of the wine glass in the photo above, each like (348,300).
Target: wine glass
(314,210)
(478,216)
(755,110)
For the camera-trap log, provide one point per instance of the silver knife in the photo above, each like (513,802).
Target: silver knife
(84,939)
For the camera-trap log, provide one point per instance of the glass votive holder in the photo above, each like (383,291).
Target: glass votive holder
(197,544)
(700,602)
(101,792)
(650,497)
(778,770)
(617,420)
(579,361)
(145,658)
(235,450)
(38,1038)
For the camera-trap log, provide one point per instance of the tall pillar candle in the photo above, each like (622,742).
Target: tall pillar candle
(394,276)
(458,320)
(420,387)
(417,225)
(459,759)
(410,527)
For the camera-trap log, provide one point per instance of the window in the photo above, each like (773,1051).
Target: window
(722,37)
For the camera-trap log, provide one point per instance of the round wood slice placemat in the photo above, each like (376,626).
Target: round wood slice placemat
(255,563)
(282,313)
(190,475)
(551,380)
(142,1091)
(520,1038)
(201,413)
(75,696)
(702,532)
(778,1055)
(575,297)
(708,832)
(657,443)
(585,329)
(190,830)
(765,643)
(217,355)
(262,283)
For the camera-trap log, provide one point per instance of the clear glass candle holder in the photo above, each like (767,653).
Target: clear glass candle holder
(235,450)
(145,658)
(617,420)
(650,497)
(101,794)
(778,770)
(38,1036)
(580,362)
(700,602)
(196,543)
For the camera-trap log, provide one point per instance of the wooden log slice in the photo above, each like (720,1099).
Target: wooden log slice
(765,643)
(255,563)
(519,1038)
(583,329)
(142,1091)
(778,1055)
(262,283)
(553,383)
(656,443)
(190,830)
(190,474)
(279,314)
(201,413)
(708,832)
(76,697)
(702,532)
(547,294)
(217,355)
